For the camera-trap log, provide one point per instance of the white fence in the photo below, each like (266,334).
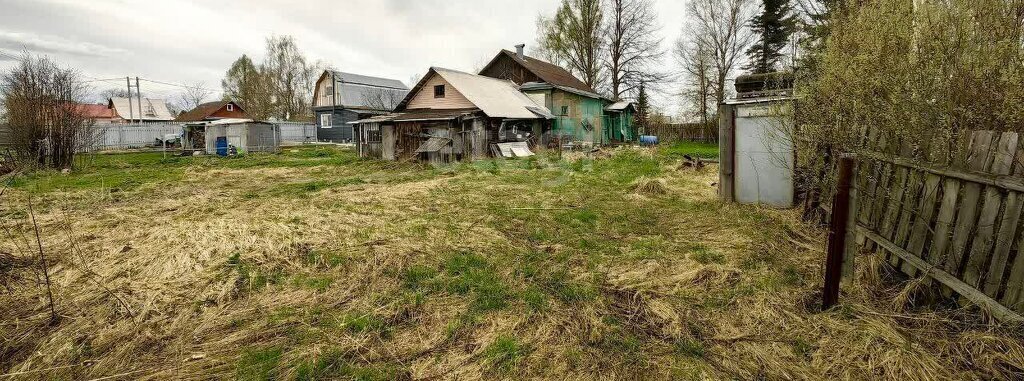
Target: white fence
(297,132)
(130,136)
(150,135)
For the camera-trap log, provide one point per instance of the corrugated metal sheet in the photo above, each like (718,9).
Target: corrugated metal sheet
(619,106)
(366,80)
(496,98)
(152,109)
(433,144)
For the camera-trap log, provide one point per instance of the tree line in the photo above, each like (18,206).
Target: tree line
(613,46)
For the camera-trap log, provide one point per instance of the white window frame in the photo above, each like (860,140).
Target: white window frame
(326,120)
(231,107)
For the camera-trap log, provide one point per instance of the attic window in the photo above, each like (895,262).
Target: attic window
(565,110)
(439,91)
(231,107)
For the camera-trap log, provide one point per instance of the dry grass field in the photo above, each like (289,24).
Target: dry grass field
(314,264)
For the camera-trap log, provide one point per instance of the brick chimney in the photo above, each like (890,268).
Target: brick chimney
(519,51)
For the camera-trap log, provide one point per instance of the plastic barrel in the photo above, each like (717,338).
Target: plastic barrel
(222,146)
(648,140)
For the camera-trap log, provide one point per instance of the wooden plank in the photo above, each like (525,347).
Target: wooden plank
(727,148)
(980,255)
(867,182)
(993,307)
(1008,229)
(1014,295)
(894,208)
(908,208)
(1008,182)
(927,211)
(967,215)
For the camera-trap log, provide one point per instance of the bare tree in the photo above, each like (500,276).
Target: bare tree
(292,78)
(698,71)
(194,95)
(250,87)
(575,37)
(633,46)
(43,111)
(719,26)
(382,99)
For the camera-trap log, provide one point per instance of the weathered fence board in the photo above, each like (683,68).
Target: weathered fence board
(953,215)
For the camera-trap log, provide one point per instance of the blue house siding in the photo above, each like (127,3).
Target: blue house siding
(340,131)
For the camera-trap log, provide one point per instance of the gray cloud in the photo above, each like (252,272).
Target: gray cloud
(184,41)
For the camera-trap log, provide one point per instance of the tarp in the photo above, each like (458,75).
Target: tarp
(515,149)
(433,144)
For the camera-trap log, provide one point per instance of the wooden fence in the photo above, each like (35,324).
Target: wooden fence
(953,216)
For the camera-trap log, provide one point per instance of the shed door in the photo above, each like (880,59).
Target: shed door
(764,156)
(388,142)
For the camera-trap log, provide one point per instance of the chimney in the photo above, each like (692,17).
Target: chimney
(519,51)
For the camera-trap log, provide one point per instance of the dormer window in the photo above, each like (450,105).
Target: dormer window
(439,91)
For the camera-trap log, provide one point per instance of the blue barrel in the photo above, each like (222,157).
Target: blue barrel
(222,146)
(648,140)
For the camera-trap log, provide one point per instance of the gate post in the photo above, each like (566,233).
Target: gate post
(840,255)
(727,152)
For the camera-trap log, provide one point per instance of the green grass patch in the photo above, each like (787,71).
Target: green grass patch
(334,365)
(258,364)
(704,255)
(505,354)
(702,150)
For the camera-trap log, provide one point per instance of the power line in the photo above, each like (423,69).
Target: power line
(179,85)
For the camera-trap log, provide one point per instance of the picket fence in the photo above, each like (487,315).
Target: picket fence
(953,216)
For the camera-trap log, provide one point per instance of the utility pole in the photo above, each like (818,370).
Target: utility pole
(131,109)
(138,93)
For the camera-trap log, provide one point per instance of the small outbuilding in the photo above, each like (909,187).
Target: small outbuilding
(756,142)
(231,136)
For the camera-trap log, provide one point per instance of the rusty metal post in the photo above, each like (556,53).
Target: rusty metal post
(838,233)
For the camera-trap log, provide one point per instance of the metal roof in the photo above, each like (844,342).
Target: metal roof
(619,106)
(152,109)
(548,72)
(365,80)
(495,97)
(363,92)
(534,86)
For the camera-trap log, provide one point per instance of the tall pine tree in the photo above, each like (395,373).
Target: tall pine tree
(773,26)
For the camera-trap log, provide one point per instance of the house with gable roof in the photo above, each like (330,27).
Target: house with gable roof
(340,98)
(452,115)
(582,115)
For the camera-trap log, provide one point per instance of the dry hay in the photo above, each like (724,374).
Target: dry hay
(163,287)
(650,187)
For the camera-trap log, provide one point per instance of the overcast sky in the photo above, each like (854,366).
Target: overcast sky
(180,41)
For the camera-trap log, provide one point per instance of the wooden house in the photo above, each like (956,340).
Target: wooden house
(581,113)
(211,111)
(341,98)
(451,115)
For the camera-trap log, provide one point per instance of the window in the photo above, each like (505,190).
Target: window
(373,133)
(439,91)
(231,107)
(565,110)
(328,91)
(325,121)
